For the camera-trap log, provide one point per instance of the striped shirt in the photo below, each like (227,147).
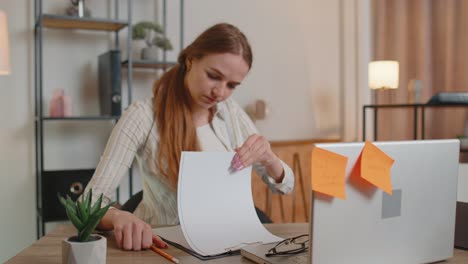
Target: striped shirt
(136,136)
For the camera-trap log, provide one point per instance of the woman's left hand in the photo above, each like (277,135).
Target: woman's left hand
(255,149)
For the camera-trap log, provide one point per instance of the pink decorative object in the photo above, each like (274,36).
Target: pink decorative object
(60,104)
(67,108)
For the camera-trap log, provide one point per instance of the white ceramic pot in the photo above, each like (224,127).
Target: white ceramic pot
(150,53)
(84,252)
(137,46)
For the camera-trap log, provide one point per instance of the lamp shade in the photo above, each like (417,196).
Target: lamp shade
(383,74)
(4,49)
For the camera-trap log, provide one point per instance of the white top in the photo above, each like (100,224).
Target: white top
(136,136)
(208,139)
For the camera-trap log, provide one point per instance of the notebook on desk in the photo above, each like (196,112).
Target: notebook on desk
(414,225)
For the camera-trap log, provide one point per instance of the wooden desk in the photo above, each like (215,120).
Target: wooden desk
(48,249)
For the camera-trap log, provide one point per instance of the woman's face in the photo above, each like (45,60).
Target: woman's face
(213,78)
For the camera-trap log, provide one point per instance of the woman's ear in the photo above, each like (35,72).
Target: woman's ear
(188,64)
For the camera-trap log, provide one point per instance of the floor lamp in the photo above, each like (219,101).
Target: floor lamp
(383,75)
(4,48)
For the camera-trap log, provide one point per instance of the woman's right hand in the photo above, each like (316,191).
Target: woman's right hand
(132,233)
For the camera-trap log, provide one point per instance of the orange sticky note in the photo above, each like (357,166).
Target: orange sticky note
(328,173)
(376,167)
(356,180)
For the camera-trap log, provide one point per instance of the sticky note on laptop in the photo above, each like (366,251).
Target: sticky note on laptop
(328,172)
(376,166)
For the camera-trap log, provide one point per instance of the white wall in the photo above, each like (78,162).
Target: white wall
(308,61)
(296,61)
(356,54)
(17,194)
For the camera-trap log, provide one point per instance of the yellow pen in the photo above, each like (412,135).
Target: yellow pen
(164,254)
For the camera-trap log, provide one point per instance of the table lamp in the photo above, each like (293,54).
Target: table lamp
(4,50)
(383,75)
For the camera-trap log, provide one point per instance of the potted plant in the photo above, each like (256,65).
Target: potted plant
(84,247)
(152,34)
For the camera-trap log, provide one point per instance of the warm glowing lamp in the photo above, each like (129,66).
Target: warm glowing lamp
(383,74)
(4,49)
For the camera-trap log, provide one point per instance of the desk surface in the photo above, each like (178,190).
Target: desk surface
(48,249)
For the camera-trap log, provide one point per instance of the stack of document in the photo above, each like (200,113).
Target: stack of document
(215,205)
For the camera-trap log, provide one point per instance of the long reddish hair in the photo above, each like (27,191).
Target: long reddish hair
(172,101)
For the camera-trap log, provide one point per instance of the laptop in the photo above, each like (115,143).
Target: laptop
(414,225)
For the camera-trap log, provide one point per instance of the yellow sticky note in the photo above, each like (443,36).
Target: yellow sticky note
(328,173)
(376,167)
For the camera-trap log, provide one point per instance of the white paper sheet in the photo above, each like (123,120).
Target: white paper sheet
(215,204)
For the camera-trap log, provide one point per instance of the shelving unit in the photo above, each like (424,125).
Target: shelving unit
(419,120)
(149,64)
(45,181)
(68,22)
(80,118)
(418,109)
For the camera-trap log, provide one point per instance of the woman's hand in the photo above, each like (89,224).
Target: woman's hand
(132,233)
(257,149)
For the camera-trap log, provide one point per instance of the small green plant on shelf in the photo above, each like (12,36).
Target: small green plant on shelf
(153,35)
(84,215)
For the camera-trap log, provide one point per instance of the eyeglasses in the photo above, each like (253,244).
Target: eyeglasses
(289,246)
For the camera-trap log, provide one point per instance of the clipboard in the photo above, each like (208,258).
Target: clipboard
(199,256)
(173,235)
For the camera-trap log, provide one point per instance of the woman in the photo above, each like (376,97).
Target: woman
(191,110)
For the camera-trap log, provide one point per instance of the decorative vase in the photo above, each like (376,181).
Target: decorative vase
(60,104)
(137,46)
(93,251)
(150,53)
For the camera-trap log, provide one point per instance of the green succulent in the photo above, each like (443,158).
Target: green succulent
(145,30)
(84,215)
(162,42)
